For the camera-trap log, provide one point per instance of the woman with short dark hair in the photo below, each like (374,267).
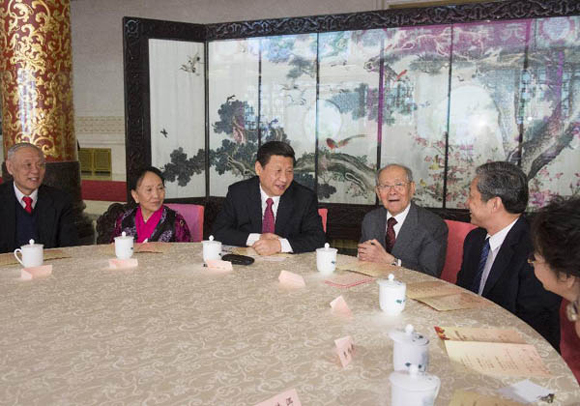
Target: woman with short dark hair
(151,220)
(556,261)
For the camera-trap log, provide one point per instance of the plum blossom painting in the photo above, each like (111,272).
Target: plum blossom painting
(441,99)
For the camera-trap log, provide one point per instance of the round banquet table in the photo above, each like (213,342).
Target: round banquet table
(171,332)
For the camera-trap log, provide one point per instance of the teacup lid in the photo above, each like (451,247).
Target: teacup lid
(124,236)
(413,380)
(408,336)
(326,248)
(210,241)
(32,244)
(390,282)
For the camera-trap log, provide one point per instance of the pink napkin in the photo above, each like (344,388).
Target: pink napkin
(291,279)
(123,263)
(345,350)
(290,397)
(27,274)
(339,306)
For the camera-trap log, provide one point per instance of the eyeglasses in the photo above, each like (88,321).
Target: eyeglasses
(399,187)
(533,261)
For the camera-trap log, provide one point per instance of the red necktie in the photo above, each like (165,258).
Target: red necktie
(28,201)
(390,238)
(268,221)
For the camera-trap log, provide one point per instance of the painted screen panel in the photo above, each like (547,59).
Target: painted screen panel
(233,111)
(177,91)
(288,98)
(487,61)
(551,109)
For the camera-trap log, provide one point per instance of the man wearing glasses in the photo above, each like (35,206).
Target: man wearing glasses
(495,255)
(402,233)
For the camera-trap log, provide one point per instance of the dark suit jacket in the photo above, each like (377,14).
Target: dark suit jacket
(511,282)
(55,221)
(422,240)
(297,218)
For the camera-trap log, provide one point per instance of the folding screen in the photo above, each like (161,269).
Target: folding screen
(441,90)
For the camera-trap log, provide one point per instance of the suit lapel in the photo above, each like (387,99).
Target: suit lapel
(504,257)
(45,214)
(9,213)
(284,210)
(255,205)
(406,232)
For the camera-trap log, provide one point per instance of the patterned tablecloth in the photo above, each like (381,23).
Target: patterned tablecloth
(172,333)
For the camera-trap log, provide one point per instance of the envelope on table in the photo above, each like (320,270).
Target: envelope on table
(339,306)
(219,265)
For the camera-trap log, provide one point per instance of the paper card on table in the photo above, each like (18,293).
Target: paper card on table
(491,335)
(498,359)
(35,272)
(348,280)
(420,290)
(291,279)
(455,302)
(219,265)
(373,269)
(339,306)
(116,263)
(288,398)
(345,350)
(526,392)
(153,246)
(464,398)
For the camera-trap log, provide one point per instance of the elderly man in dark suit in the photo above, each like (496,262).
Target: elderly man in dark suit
(402,233)
(270,212)
(495,256)
(30,210)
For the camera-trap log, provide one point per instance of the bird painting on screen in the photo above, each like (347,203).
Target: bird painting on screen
(332,144)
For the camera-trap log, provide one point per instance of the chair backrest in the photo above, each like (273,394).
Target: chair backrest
(324,214)
(106,221)
(193,215)
(458,230)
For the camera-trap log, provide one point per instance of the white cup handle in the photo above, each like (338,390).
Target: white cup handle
(16,251)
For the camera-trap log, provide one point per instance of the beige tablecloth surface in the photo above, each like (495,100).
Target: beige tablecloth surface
(170,332)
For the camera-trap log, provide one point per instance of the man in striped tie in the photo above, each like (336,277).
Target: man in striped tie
(495,255)
(29,209)
(270,212)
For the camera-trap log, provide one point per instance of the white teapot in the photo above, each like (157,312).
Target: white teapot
(413,387)
(410,348)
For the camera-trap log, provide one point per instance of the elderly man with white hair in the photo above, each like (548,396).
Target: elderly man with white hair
(29,209)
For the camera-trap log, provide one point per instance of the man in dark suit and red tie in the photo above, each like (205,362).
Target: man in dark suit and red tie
(402,233)
(270,212)
(495,256)
(29,209)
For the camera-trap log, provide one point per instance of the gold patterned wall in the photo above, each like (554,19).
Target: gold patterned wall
(36,76)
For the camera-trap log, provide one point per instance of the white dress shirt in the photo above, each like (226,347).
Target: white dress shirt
(20,195)
(495,242)
(253,237)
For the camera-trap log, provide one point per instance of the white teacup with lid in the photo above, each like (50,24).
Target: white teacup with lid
(211,249)
(410,348)
(32,254)
(413,387)
(124,246)
(392,295)
(326,259)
